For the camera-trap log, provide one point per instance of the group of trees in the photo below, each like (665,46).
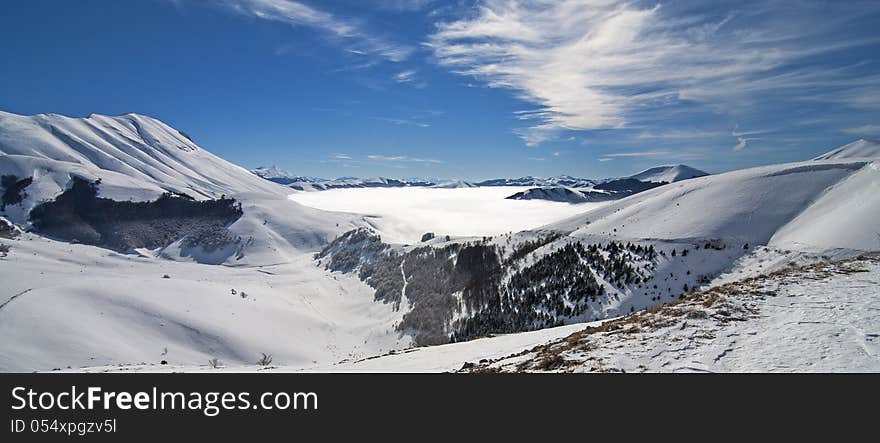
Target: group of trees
(79,214)
(488,291)
(558,286)
(13,190)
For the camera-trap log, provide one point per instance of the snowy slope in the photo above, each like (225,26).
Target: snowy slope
(138,158)
(126,310)
(668,174)
(77,305)
(135,156)
(846,216)
(819,318)
(746,206)
(858,149)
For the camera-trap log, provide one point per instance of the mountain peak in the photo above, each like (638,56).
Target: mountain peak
(668,173)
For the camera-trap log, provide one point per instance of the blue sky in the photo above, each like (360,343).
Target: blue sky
(462,89)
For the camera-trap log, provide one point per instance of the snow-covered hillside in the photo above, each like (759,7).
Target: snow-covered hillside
(74,304)
(815,318)
(818,318)
(750,206)
(858,149)
(137,158)
(668,174)
(408,264)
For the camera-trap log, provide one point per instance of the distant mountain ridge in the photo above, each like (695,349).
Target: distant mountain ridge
(563,194)
(275,174)
(659,174)
(561,180)
(612,189)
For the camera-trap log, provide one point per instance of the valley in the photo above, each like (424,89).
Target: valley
(127,246)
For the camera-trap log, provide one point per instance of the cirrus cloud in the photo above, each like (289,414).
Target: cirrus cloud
(593,64)
(296,13)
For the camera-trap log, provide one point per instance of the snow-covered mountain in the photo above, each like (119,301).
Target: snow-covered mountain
(138,158)
(453,184)
(562,180)
(608,190)
(350,182)
(275,174)
(333,282)
(634,253)
(668,174)
(563,194)
(816,205)
(861,148)
(246,288)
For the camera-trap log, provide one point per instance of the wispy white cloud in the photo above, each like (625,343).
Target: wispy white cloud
(682,154)
(403,122)
(639,154)
(742,139)
(591,64)
(402,5)
(402,158)
(295,13)
(405,76)
(674,134)
(340,157)
(863,130)
(410,77)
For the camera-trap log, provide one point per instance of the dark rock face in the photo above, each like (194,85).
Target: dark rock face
(13,190)
(7,229)
(80,215)
(628,186)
